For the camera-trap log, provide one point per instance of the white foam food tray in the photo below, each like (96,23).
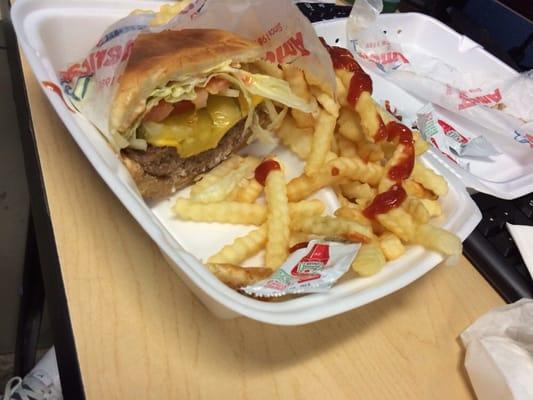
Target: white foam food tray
(50,35)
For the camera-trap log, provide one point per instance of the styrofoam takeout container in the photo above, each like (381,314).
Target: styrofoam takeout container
(55,33)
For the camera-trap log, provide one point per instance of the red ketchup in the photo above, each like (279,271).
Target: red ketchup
(385,201)
(263,169)
(298,246)
(343,59)
(359,83)
(404,168)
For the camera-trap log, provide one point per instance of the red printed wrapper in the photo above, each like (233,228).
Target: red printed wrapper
(277,25)
(502,106)
(453,144)
(313,269)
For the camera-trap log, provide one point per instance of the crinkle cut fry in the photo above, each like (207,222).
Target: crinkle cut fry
(236,276)
(278,220)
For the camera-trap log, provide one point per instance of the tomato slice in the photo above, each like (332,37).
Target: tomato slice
(163,110)
(159,112)
(183,106)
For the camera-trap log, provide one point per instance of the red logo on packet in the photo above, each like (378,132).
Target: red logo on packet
(450,131)
(291,48)
(309,266)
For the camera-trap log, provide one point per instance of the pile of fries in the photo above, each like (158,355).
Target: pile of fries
(341,151)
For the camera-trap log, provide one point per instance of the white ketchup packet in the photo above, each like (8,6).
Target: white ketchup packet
(312,269)
(453,144)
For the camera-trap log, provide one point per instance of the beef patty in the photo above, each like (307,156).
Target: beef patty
(160,171)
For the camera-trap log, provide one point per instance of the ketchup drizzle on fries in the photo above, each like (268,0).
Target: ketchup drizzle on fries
(403,169)
(263,169)
(386,201)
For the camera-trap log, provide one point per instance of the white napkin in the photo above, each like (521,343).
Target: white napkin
(499,353)
(523,237)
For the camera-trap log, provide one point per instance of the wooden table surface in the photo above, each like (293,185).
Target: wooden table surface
(141,334)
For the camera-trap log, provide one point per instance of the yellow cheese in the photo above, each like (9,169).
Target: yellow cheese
(197,131)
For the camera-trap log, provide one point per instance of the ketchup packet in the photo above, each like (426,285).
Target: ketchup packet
(449,141)
(312,269)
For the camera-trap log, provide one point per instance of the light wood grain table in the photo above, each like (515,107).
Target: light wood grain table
(139,333)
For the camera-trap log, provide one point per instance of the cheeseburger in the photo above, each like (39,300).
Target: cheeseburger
(189,98)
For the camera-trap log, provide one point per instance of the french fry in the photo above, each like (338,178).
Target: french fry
(429,179)
(438,239)
(215,174)
(341,92)
(303,186)
(370,119)
(306,208)
(421,146)
(277,246)
(369,151)
(334,146)
(333,228)
(343,201)
(321,143)
(296,80)
(349,125)
(242,248)
(344,76)
(356,169)
(236,277)
(327,102)
(399,222)
(357,190)
(384,114)
(416,209)
(369,260)
(433,207)
(397,158)
(353,214)
(224,185)
(232,212)
(298,140)
(229,212)
(415,189)
(391,245)
(247,191)
(347,148)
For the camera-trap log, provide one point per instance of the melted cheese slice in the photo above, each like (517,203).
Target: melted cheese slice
(194,132)
(197,131)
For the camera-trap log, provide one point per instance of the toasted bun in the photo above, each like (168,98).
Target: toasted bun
(157,58)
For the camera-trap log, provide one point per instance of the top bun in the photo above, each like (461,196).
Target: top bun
(157,58)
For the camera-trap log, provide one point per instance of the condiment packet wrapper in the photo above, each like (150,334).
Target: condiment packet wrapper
(312,269)
(449,141)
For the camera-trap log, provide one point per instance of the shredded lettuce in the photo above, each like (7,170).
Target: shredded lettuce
(249,84)
(273,89)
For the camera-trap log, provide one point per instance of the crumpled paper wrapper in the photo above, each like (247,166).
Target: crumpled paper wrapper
(499,353)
